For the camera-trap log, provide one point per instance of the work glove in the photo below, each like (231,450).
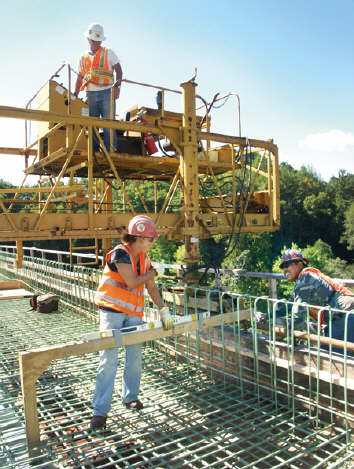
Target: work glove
(166,318)
(261,318)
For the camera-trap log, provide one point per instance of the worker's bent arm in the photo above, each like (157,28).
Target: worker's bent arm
(78,84)
(118,71)
(154,293)
(131,279)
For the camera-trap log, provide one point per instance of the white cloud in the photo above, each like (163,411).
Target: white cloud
(332,141)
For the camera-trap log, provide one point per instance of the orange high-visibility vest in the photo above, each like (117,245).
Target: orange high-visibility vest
(314,312)
(96,71)
(337,287)
(114,293)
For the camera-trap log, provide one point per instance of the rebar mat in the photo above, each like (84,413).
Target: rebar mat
(190,420)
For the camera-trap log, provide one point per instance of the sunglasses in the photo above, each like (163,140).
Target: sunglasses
(287,263)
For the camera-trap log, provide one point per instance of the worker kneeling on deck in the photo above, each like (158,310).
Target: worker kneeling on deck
(120,297)
(315,288)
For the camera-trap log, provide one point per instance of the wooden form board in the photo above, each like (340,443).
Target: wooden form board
(12,289)
(11,284)
(179,299)
(15,293)
(34,362)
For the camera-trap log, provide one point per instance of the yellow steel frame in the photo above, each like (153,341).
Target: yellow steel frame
(198,217)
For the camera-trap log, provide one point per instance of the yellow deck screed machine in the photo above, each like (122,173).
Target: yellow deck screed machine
(208,184)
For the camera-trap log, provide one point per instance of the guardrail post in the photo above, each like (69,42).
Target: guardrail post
(273,288)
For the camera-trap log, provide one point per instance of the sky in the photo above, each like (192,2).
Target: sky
(290,62)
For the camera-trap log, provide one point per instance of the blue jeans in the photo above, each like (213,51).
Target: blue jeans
(107,367)
(100,106)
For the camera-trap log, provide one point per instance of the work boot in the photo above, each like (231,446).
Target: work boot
(97,422)
(134,405)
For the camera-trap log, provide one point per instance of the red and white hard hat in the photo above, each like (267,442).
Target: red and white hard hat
(292,255)
(143,226)
(95,32)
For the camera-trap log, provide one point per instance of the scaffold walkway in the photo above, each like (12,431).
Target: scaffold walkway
(194,416)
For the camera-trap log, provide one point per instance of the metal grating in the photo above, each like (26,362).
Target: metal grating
(191,418)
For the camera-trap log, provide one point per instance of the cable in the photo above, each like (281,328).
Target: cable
(222,104)
(208,107)
(244,194)
(162,149)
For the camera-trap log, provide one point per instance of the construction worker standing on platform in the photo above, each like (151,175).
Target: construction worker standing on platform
(99,69)
(315,288)
(120,297)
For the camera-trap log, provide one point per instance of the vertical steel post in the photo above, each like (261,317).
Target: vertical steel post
(276,190)
(19,255)
(270,188)
(111,117)
(124,206)
(90,175)
(107,194)
(189,172)
(273,288)
(155,196)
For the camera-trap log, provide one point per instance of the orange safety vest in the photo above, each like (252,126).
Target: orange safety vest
(96,71)
(337,287)
(114,293)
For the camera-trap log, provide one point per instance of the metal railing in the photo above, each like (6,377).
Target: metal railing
(257,393)
(61,256)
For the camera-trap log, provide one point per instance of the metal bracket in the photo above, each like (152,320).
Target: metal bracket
(201,317)
(117,337)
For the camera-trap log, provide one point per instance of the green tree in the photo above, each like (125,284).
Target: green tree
(253,253)
(348,234)
(163,251)
(299,201)
(341,191)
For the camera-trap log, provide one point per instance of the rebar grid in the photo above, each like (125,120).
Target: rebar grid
(193,416)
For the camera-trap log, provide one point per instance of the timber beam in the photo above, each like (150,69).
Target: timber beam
(33,363)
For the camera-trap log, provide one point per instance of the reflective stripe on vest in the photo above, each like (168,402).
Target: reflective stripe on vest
(96,71)
(114,293)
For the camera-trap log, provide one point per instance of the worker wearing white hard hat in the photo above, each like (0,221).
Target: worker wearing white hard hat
(95,32)
(99,70)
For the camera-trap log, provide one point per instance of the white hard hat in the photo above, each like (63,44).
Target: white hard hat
(95,32)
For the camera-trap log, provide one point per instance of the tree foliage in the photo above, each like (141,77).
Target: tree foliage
(253,252)
(348,232)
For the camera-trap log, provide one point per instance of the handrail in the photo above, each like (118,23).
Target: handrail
(271,276)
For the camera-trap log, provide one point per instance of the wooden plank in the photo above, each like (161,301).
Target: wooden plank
(29,394)
(327,376)
(14,293)
(34,362)
(11,284)
(17,151)
(179,299)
